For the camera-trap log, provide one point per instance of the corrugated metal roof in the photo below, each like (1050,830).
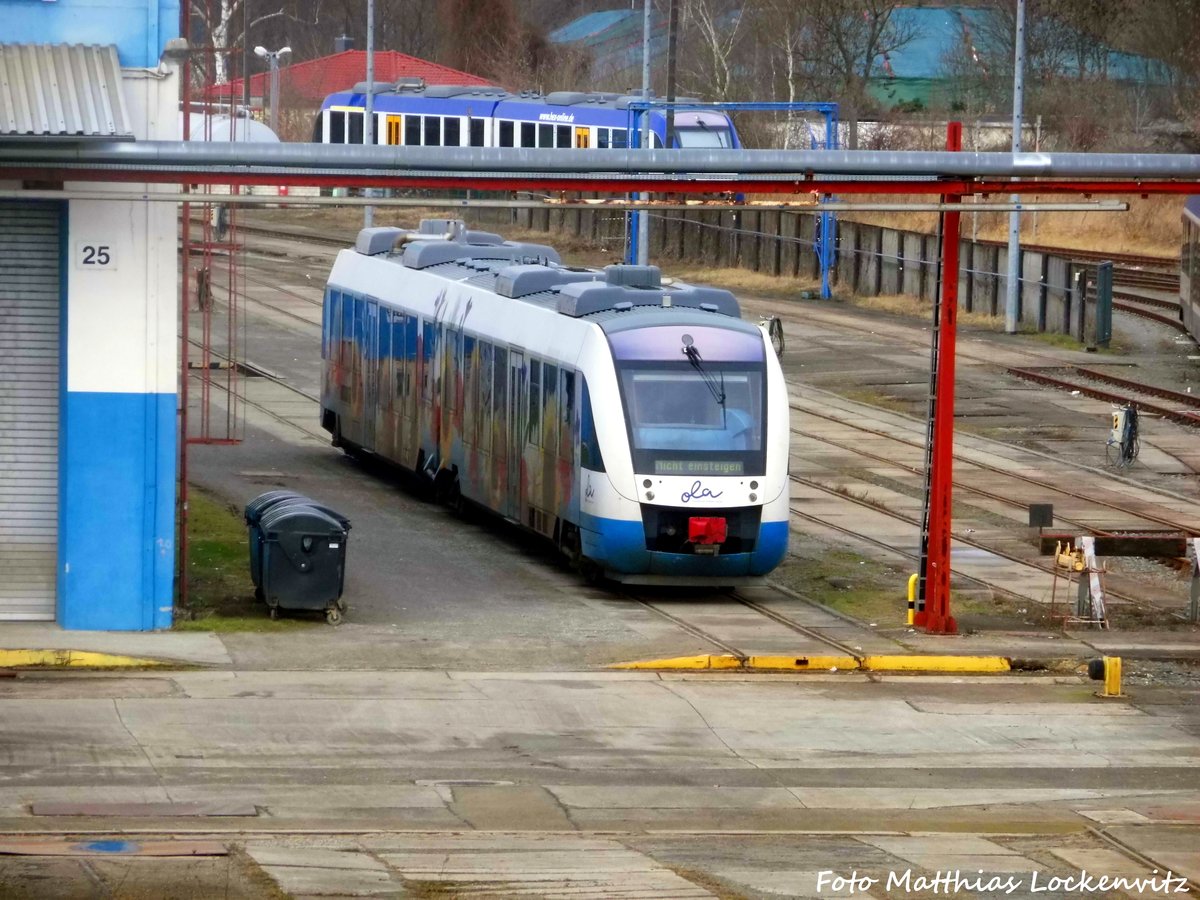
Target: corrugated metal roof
(62,91)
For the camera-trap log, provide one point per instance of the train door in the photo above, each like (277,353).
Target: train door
(394,124)
(371,375)
(517,403)
(583,137)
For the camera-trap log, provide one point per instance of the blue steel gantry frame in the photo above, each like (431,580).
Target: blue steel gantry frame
(823,245)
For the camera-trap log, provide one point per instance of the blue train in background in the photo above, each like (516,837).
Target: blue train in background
(414,114)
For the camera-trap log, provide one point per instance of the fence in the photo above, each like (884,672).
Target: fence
(870,260)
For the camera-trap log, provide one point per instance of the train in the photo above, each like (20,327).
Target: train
(640,425)
(411,113)
(1189,268)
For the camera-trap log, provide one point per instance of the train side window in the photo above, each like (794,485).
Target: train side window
(619,139)
(475,130)
(354,128)
(412,131)
(428,355)
(500,397)
(534,418)
(452,129)
(589,443)
(337,127)
(433,131)
(549,407)
(398,353)
(602,138)
(545,136)
(566,415)
(449,370)
(506,134)
(346,332)
(411,332)
(563,133)
(328,311)
(528,134)
(483,418)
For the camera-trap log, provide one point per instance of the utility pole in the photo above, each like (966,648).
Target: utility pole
(1013,295)
(369,119)
(245,63)
(643,219)
(672,46)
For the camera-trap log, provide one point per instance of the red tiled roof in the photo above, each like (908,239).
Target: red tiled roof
(316,79)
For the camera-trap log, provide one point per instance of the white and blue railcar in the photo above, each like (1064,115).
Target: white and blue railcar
(641,426)
(420,115)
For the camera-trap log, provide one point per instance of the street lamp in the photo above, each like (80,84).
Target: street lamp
(273,57)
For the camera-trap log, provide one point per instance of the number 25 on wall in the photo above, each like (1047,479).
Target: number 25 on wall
(90,255)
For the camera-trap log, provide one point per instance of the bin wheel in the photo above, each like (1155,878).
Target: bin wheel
(273,612)
(333,615)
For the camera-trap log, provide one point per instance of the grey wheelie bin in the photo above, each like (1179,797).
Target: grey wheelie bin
(257,508)
(303,559)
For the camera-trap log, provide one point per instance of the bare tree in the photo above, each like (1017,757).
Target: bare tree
(221,27)
(713,32)
(847,39)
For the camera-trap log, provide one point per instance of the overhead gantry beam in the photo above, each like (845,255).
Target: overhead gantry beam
(799,172)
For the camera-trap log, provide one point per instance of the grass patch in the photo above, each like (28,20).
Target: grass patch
(220,592)
(914,307)
(775,287)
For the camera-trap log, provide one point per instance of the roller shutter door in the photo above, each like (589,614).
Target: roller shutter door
(29,407)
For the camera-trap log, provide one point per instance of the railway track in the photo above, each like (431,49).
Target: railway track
(1085,381)
(691,619)
(1005,499)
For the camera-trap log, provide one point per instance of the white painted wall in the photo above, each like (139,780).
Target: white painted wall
(121,318)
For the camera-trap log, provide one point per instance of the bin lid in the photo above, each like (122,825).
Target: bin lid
(299,500)
(260,504)
(299,518)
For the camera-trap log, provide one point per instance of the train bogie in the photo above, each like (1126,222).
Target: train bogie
(642,427)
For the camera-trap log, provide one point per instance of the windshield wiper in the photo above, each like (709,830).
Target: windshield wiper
(717,390)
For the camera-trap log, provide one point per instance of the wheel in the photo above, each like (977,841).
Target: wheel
(273,612)
(333,615)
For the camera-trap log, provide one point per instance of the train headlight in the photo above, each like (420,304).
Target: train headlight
(753,497)
(649,495)
(647,483)
(754,486)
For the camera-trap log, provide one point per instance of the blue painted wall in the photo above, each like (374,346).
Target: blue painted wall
(117,502)
(139,28)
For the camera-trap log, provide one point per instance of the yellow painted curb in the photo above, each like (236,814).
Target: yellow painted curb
(802,663)
(706,661)
(23,659)
(948,664)
(944,664)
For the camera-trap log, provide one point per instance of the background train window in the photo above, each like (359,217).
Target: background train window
(564,135)
(450,369)
(379,131)
(346,332)
(337,127)
(475,132)
(545,136)
(410,352)
(452,131)
(618,140)
(506,134)
(602,138)
(354,126)
(433,131)
(528,134)
(533,433)
(589,443)
(329,316)
(412,131)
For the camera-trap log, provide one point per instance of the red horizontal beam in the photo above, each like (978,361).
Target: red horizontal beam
(958,187)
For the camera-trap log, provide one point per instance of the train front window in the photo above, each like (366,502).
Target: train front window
(699,414)
(704,136)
